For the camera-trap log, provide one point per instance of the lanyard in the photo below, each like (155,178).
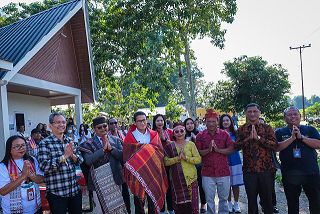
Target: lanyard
(296,136)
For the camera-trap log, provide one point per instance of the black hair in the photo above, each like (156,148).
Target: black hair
(154,127)
(138,113)
(251,105)
(111,119)
(8,155)
(231,127)
(177,124)
(85,129)
(188,133)
(260,118)
(39,125)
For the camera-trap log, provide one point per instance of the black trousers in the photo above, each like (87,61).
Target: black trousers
(292,187)
(139,205)
(262,183)
(274,197)
(201,191)
(59,205)
(168,197)
(126,196)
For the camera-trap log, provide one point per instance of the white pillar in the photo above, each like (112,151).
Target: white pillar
(4,120)
(78,109)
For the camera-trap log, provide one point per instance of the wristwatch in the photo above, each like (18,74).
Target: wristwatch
(63,159)
(259,137)
(302,137)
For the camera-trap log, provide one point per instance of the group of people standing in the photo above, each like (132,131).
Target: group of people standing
(159,165)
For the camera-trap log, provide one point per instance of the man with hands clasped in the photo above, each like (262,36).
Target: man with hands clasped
(299,166)
(58,159)
(214,145)
(98,151)
(257,140)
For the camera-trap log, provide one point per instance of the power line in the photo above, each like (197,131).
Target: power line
(300,50)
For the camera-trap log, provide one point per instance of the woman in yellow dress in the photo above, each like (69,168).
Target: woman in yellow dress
(182,155)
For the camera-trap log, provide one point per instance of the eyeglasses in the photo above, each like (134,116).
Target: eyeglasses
(111,123)
(100,127)
(141,121)
(177,131)
(21,146)
(60,122)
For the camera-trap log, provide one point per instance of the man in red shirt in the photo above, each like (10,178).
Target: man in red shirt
(214,145)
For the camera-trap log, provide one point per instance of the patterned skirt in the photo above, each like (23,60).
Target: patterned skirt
(191,207)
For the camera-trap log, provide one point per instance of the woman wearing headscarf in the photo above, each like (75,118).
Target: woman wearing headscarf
(191,133)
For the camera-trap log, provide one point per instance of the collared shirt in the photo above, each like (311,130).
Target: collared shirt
(214,164)
(307,164)
(256,153)
(141,138)
(60,178)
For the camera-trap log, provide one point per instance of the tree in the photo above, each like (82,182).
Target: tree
(313,110)
(251,80)
(187,20)
(173,110)
(297,102)
(314,99)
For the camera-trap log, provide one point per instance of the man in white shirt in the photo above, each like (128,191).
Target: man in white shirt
(142,153)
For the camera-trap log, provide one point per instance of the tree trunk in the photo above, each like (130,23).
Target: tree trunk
(193,110)
(183,86)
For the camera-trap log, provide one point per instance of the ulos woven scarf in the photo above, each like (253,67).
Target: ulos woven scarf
(144,168)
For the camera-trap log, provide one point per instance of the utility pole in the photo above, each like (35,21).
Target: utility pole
(300,50)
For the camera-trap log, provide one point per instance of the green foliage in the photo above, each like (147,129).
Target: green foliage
(279,179)
(173,110)
(313,110)
(251,80)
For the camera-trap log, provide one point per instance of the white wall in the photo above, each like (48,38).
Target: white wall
(37,109)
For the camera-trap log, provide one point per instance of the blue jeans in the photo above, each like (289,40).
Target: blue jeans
(59,205)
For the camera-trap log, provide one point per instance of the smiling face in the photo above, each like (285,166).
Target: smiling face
(58,125)
(292,117)
(141,123)
(226,122)
(253,114)
(212,124)
(18,148)
(179,133)
(113,124)
(189,125)
(159,122)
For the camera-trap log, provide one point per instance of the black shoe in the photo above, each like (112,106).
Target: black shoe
(203,210)
(275,209)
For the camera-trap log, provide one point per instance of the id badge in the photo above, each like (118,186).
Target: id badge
(296,153)
(30,193)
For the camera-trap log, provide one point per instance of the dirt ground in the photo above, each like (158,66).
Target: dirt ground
(281,202)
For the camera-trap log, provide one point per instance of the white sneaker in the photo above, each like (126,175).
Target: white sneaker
(230,207)
(236,207)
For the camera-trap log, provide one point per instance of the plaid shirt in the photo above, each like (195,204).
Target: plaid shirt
(60,178)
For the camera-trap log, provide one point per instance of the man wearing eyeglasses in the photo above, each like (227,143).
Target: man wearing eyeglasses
(100,150)
(114,129)
(257,140)
(144,168)
(58,159)
(214,145)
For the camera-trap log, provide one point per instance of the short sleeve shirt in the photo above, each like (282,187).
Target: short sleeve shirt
(28,206)
(307,164)
(214,164)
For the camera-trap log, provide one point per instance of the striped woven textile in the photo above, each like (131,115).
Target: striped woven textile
(144,168)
